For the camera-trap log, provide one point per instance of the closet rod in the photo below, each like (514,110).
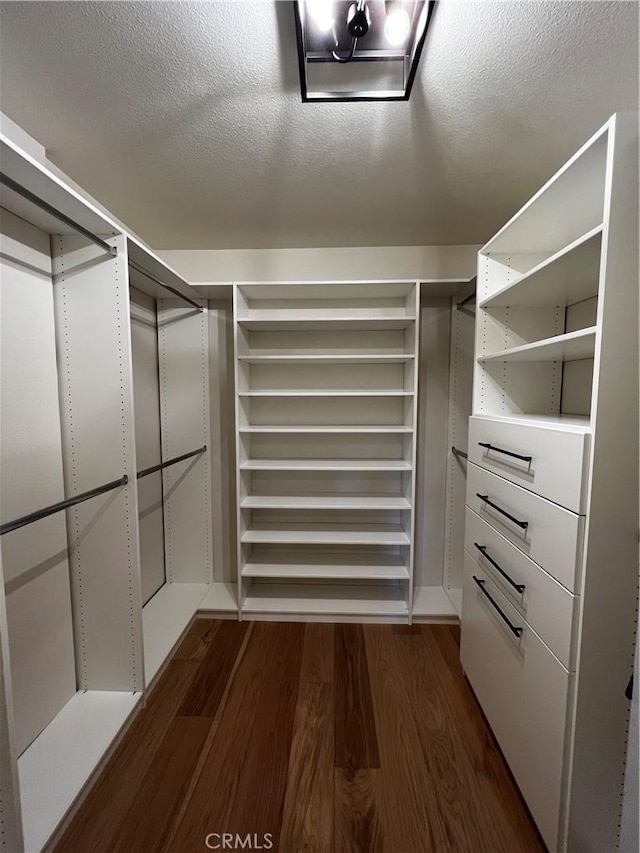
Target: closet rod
(53,211)
(457,452)
(50,510)
(141,269)
(173,461)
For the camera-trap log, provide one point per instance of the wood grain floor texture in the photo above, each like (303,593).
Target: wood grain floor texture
(307,737)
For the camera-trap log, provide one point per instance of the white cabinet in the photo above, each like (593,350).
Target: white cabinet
(545,460)
(523,691)
(326,386)
(553,490)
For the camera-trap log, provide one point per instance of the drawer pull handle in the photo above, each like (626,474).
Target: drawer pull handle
(485,498)
(513,628)
(483,550)
(528,459)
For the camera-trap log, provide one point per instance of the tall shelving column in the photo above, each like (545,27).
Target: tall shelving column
(326,379)
(550,599)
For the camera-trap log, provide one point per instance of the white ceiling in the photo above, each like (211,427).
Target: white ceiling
(185,119)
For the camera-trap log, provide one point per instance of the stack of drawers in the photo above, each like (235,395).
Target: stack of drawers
(523,551)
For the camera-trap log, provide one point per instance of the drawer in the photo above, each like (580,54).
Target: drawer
(556,468)
(523,691)
(546,605)
(552,537)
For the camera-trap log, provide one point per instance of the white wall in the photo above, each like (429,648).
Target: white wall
(383,262)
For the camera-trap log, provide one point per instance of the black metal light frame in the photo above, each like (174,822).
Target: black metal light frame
(369,96)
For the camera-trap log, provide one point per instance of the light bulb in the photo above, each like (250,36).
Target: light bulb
(396,27)
(321,11)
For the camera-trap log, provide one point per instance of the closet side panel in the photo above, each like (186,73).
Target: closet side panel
(222,442)
(460,392)
(91,297)
(431,468)
(35,558)
(146,396)
(183,346)
(11,840)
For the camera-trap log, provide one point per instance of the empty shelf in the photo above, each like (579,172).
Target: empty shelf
(325,465)
(221,598)
(570,347)
(571,423)
(325,565)
(326,600)
(335,502)
(324,534)
(569,276)
(305,320)
(329,428)
(325,393)
(164,618)
(61,760)
(432,602)
(380,358)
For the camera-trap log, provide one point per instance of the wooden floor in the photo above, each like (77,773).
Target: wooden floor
(308,737)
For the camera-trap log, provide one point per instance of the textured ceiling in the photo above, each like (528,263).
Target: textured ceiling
(185,119)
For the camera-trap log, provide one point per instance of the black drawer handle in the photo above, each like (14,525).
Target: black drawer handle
(485,498)
(506,452)
(483,550)
(513,628)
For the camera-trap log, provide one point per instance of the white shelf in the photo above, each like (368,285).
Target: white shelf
(334,502)
(325,393)
(325,465)
(325,565)
(324,534)
(567,277)
(570,347)
(571,423)
(379,358)
(322,430)
(221,598)
(432,602)
(346,329)
(164,619)
(303,320)
(54,769)
(326,600)
(41,182)
(568,205)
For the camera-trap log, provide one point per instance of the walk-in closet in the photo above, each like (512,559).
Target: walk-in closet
(319,427)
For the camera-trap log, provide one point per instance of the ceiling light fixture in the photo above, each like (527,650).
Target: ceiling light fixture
(397,24)
(367,50)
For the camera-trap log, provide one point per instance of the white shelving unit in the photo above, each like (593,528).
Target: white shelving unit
(326,382)
(554,440)
(78,647)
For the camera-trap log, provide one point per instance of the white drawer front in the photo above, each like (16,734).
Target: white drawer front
(557,463)
(546,605)
(523,690)
(552,536)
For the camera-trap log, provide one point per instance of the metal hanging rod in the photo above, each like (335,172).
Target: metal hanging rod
(144,271)
(173,461)
(457,452)
(50,510)
(470,298)
(53,211)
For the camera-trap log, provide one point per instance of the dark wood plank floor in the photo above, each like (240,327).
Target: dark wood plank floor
(325,738)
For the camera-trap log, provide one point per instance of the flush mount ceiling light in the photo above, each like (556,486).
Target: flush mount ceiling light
(367,50)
